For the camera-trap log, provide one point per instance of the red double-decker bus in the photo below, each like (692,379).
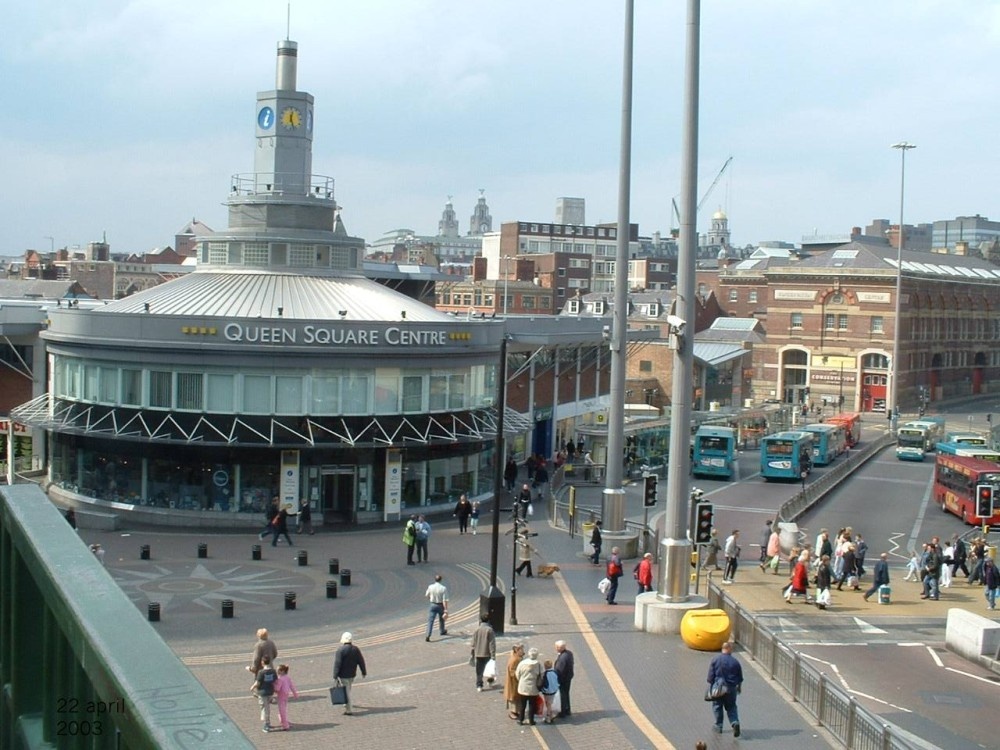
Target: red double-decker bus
(960,487)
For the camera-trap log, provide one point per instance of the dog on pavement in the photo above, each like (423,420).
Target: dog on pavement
(547,570)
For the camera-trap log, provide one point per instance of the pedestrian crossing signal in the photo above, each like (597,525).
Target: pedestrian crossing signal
(703,518)
(984,500)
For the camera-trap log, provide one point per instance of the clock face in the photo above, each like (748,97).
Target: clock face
(291,117)
(265,118)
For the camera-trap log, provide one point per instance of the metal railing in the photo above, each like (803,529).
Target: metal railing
(820,696)
(79,666)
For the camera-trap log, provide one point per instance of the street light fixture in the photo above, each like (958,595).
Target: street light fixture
(893,406)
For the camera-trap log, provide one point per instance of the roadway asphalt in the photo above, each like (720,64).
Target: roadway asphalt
(632,689)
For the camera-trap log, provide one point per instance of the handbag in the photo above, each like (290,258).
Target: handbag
(604,585)
(338,695)
(717,690)
(490,670)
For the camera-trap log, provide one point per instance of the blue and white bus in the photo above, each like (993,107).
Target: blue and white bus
(829,442)
(714,451)
(786,455)
(969,451)
(966,438)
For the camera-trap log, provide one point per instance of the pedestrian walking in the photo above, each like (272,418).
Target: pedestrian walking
(281,528)
(484,648)
(437,593)
(881,575)
(644,573)
(463,509)
(98,551)
(959,556)
(564,669)
(264,647)
(991,582)
(595,542)
(614,572)
(772,553)
(765,537)
(510,474)
(523,502)
(510,685)
(732,553)
(524,551)
(713,548)
(528,673)
(422,529)
(474,518)
(824,579)
(541,478)
(726,668)
(346,663)
(410,538)
(263,687)
(305,522)
(270,514)
(284,689)
(932,572)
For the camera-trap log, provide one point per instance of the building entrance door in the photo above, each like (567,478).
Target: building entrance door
(337,494)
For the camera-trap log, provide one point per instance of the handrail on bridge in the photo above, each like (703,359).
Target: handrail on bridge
(79,665)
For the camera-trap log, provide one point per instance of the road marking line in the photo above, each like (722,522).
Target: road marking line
(879,700)
(610,672)
(935,657)
(973,676)
(865,627)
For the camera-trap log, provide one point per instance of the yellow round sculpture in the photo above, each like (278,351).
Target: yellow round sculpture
(705,629)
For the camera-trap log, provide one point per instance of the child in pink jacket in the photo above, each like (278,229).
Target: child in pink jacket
(283,690)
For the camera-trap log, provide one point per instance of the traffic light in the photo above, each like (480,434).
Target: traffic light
(703,517)
(649,491)
(984,500)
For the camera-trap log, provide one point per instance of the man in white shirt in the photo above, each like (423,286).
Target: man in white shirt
(437,593)
(732,552)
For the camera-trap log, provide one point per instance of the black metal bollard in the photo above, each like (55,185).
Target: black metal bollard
(144,552)
(202,550)
(345,577)
(289,600)
(334,566)
(227,609)
(255,552)
(153,612)
(331,589)
(303,558)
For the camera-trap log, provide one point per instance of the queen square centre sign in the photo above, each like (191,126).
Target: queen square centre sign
(318,335)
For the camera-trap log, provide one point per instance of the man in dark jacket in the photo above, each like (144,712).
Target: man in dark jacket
(727,668)
(881,574)
(564,669)
(523,501)
(346,664)
(595,542)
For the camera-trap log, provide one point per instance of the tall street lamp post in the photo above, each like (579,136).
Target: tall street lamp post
(893,406)
(840,401)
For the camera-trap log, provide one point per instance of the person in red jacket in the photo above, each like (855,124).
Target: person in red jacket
(800,578)
(644,573)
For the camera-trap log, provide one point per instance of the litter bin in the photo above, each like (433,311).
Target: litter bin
(345,577)
(227,609)
(144,552)
(303,557)
(705,629)
(289,600)
(153,612)
(334,566)
(331,589)
(203,550)
(255,552)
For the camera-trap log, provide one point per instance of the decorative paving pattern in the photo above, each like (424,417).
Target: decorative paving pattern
(199,586)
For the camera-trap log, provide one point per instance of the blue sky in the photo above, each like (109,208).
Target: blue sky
(129,116)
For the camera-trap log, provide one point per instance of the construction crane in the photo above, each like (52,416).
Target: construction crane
(673,201)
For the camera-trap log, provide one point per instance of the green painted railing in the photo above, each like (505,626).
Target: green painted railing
(79,665)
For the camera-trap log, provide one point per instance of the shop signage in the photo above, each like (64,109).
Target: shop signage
(290,479)
(393,484)
(309,335)
(795,294)
(873,297)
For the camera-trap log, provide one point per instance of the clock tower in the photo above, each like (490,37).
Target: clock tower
(283,158)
